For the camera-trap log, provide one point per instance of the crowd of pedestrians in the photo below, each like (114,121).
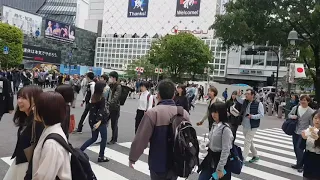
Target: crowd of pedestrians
(38,157)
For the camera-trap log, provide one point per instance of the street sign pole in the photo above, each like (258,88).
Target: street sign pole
(5,51)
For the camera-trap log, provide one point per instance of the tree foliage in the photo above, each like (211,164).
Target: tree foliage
(180,54)
(261,21)
(149,69)
(13,38)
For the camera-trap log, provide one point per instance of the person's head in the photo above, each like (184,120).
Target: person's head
(250,94)
(212,92)
(234,95)
(104,78)
(181,89)
(305,100)
(90,76)
(144,85)
(76,76)
(98,91)
(113,77)
(218,112)
(67,92)
(25,102)
(50,113)
(166,89)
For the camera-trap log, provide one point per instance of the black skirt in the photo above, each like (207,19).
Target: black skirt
(311,167)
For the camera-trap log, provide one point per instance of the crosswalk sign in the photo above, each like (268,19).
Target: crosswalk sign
(6,50)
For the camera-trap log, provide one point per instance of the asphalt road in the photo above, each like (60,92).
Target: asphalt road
(117,168)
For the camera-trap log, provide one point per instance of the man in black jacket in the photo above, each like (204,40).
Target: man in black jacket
(113,104)
(6,97)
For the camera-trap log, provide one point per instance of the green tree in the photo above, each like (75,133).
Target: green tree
(261,21)
(13,38)
(149,69)
(180,54)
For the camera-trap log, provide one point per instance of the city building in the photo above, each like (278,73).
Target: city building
(73,12)
(146,18)
(251,69)
(95,16)
(117,53)
(31,6)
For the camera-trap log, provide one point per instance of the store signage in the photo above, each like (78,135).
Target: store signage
(251,72)
(35,53)
(188,8)
(138,8)
(176,30)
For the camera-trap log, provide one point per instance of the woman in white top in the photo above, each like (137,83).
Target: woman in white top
(145,102)
(50,159)
(311,168)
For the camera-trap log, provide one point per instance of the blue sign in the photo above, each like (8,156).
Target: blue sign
(6,50)
(138,8)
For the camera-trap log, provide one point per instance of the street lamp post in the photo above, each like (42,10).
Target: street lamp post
(74,47)
(292,38)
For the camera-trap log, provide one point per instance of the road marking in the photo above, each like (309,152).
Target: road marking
(275,133)
(257,140)
(102,173)
(274,136)
(269,139)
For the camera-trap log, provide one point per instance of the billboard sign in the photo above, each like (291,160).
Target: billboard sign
(188,8)
(34,53)
(59,31)
(30,24)
(138,8)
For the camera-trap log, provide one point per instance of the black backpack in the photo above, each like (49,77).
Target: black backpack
(124,94)
(183,145)
(80,165)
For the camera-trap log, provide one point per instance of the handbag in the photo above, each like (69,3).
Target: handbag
(289,126)
(235,159)
(29,150)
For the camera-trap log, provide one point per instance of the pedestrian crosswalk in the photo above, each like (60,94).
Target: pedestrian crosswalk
(274,148)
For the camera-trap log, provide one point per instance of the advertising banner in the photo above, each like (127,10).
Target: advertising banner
(188,8)
(59,31)
(34,53)
(138,8)
(30,24)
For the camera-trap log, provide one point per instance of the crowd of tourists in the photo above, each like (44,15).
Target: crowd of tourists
(42,151)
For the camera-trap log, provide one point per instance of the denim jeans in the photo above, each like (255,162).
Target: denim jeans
(103,132)
(296,139)
(206,174)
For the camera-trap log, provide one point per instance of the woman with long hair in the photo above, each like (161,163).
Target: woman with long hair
(29,132)
(98,120)
(67,93)
(50,160)
(233,107)
(213,98)
(181,97)
(220,144)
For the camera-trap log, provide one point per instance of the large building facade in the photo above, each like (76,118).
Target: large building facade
(31,6)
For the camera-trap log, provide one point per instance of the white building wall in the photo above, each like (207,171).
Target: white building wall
(95,14)
(161,18)
(82,13)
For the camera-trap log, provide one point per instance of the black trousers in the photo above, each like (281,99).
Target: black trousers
(139,117)
(83,117)
(163,176)
(114,116)
(234,129)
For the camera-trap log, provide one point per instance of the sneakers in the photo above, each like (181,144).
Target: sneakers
(77,131)
(111,142)
(298,168)
(254,159)
(103,159)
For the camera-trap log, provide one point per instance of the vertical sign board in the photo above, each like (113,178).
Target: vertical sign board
(188,8)
(138,8)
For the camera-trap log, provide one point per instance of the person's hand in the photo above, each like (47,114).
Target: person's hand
(294,117)
(131,164)
(228,114)
(314,135)
(199,123)
(220,174)
(96,126)
(10,112)
(249,116)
